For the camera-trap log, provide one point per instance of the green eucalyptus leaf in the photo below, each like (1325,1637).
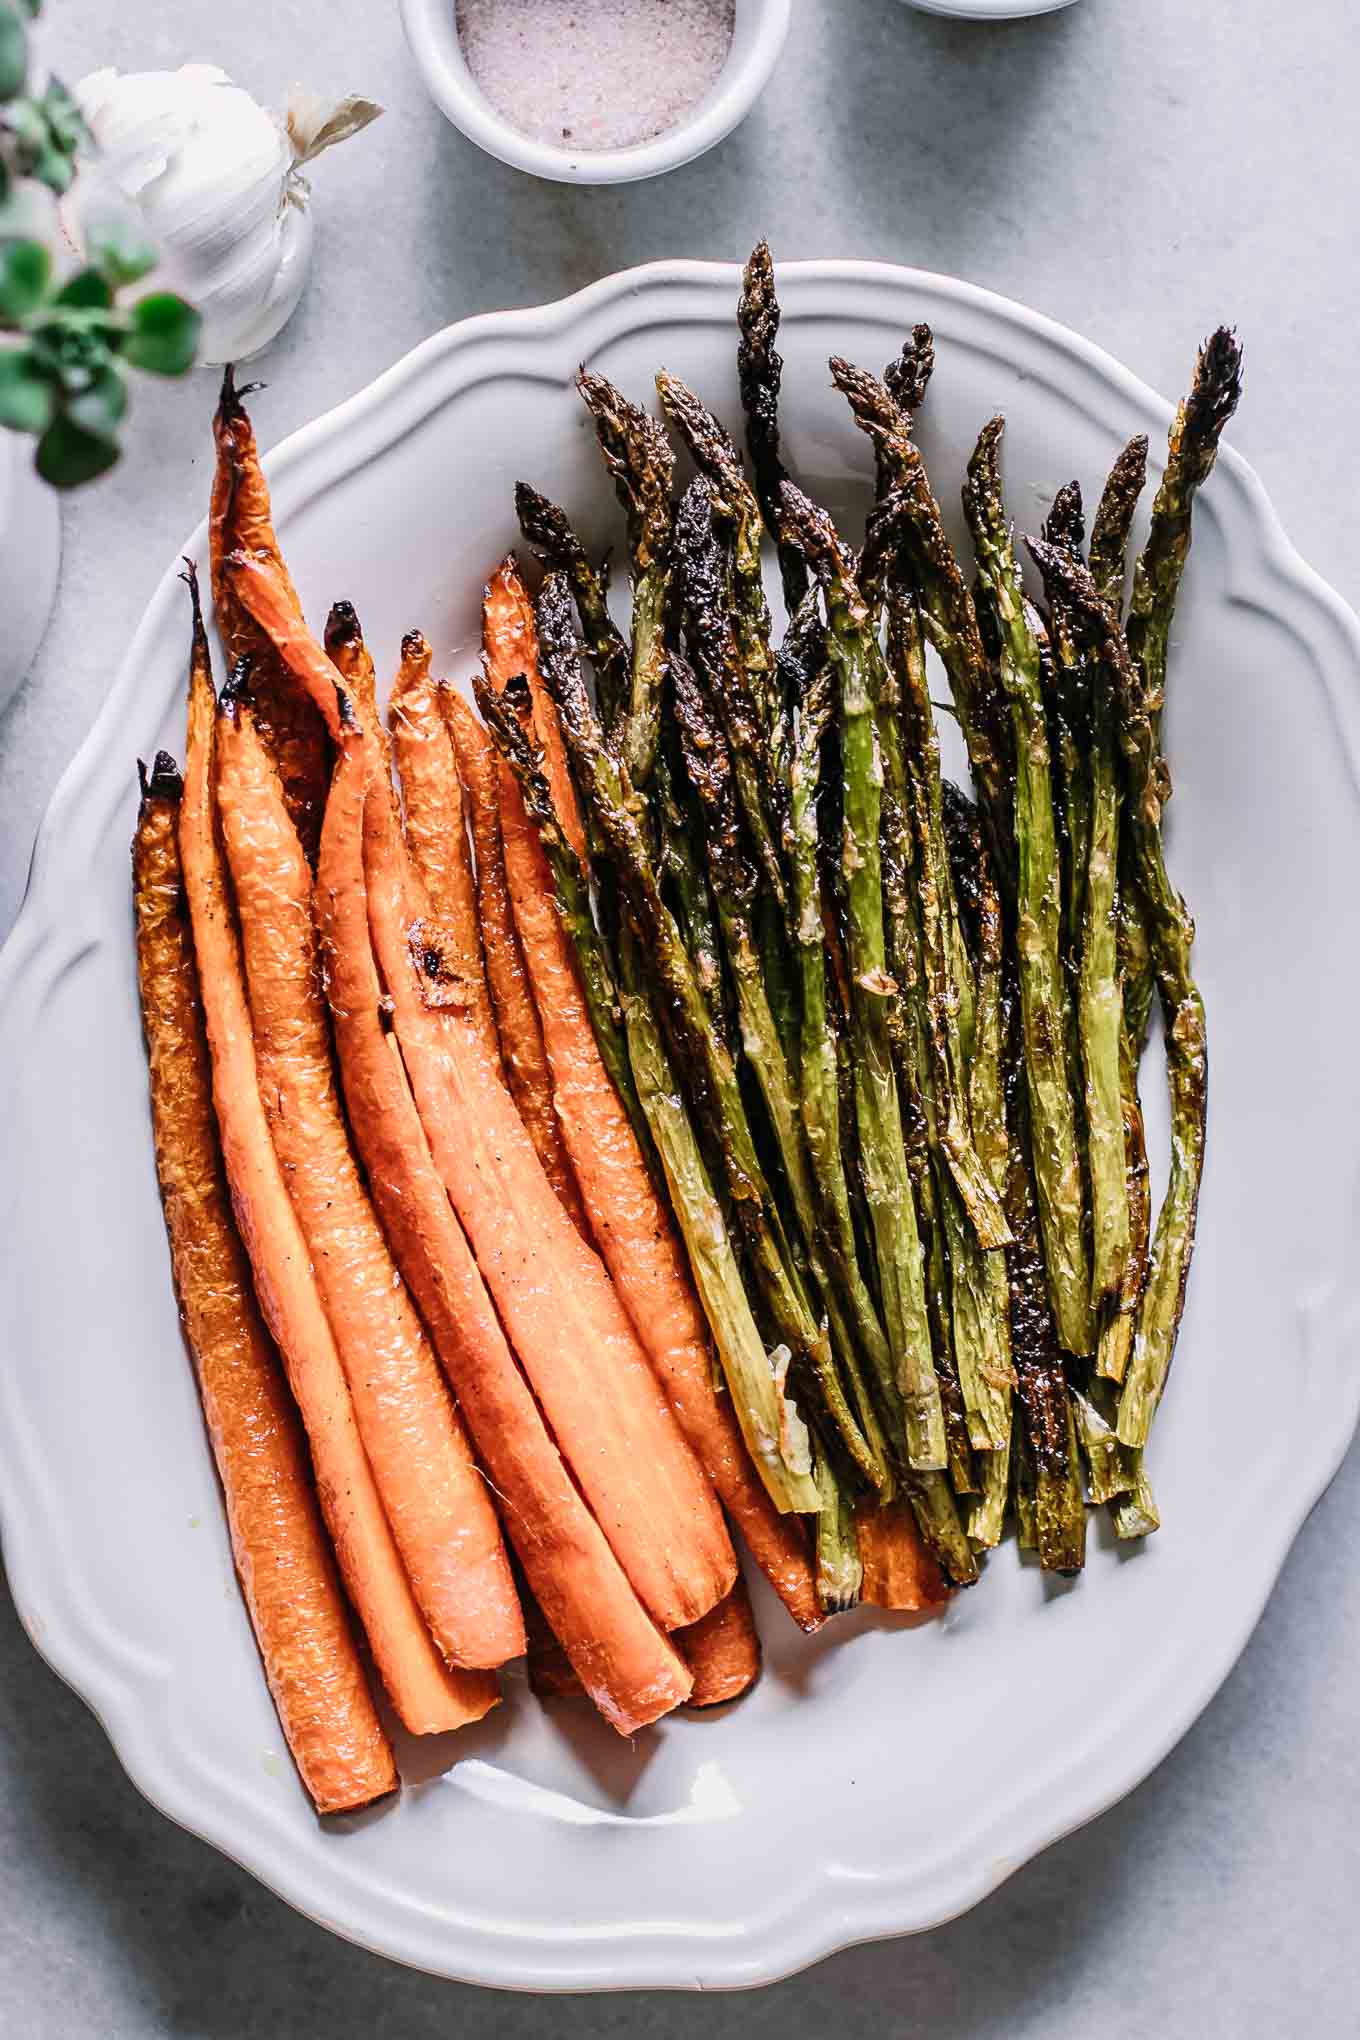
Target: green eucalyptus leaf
(25,267)
(32,8)
(68,455)
(65,121)
(101,408)
(88,288)
(163,335)
(13,52)
(28,402)
(54,169)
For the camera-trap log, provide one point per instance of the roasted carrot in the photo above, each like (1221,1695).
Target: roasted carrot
(553,1294)
(486,781)
(240,517)
(434,1496)
(349,654)
(258,582)
(435,833)
(723,1651)
(510,644)
(898,1570)
(294,1599)
(632,1226)
(428,1697)
(621,1659)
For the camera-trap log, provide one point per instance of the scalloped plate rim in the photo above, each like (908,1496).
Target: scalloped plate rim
(49,1608)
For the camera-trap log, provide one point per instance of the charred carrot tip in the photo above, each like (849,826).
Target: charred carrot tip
(342,625)
(414,645)
(237,690)
(163,782)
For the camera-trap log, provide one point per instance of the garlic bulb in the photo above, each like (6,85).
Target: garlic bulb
(218,183)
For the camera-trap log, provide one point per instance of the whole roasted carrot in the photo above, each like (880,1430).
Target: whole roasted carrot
(487,783)
(291,1591)
(240,517)
(554,1297)
(620,1657)
(723,1651)
(510,647)
(898,1570)
(633,1228)
(432,794)
(435,1499)
(429,1697)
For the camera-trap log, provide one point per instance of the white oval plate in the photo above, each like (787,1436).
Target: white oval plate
(881,1779)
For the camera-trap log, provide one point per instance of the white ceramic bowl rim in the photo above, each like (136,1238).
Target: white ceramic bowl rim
(761,29)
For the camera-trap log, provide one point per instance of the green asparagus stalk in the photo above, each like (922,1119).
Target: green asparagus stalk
(1093,801)
(697,1052)
(734,501)
(760,371)
(910,513)
(549,531)
(1116,1338)
(641,463)
(1191,452)
(1108,551)
(1193,448)
(840,1574)
(980,928)
(682,872)
(1043,996)
(775,1433)
(853,1321)
(855,657)
(1135,1514)
(1108,1470)
(727,679)
(1171,937)
(1109,564)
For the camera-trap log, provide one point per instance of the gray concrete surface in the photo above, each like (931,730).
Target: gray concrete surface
(1138,169)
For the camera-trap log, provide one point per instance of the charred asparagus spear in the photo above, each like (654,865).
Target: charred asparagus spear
(727,679)
(1192,450)
(1092,789)
(1043,992)
(548,529)
(760,371)
(855,657)
(1171,936)
(641,464)
(1109,566)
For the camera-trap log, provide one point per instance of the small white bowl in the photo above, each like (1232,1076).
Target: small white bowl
(757,39)
(30,549)
(988,10)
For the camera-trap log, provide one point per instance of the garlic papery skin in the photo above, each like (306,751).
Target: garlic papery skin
(217,180)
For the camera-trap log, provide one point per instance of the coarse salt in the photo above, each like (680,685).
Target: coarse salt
(595,74)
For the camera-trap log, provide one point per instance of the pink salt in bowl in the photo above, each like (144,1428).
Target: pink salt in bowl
(758,34)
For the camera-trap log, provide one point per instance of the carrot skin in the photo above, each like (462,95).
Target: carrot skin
(510,646)
(633,1228)
(291,1591)
(240,518)
(487,783)
(436,837)
(428,1697)
(260,585)
(898,1570)
(723,1651)
(434,1496)
(617,1654)
(553,1295)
